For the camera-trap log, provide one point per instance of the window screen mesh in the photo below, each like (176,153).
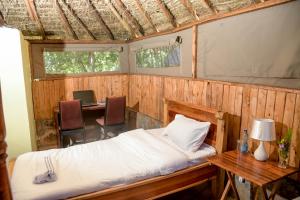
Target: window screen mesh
(158,57)
(75,62)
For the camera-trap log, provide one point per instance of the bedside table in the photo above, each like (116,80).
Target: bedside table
(256,172)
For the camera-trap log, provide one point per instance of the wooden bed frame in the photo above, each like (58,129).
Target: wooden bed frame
(163,185)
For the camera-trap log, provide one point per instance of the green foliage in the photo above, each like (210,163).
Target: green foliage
(74,62)
(286,139)
(167,56)
(284,144)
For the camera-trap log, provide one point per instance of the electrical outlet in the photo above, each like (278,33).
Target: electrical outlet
(241,179)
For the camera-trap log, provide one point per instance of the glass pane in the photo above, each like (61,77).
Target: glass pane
(166,56)
(74,62)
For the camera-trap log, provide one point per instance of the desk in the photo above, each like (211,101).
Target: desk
(84,109)
(257,172)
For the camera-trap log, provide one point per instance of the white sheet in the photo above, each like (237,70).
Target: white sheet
(86,168)
(196,157)
(80,169)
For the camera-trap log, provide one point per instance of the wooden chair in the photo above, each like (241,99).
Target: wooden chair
(70,119)
(114,117)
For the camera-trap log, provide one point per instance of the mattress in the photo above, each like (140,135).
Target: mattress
(86,168)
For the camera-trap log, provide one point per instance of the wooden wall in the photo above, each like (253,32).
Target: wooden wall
(243,102)
(47,93)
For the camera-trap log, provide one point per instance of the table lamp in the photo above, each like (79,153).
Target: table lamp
(263,130)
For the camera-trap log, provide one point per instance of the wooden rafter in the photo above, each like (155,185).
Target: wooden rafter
(101,21)
(31,9)
(120,18)
(129,16)
(78,19)
(147,16)
(189,6)
(167,13)
(219,15)
(209,5)
(2,21)
(65,21)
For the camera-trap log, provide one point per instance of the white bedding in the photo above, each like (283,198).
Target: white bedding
(86,168)
(196,157)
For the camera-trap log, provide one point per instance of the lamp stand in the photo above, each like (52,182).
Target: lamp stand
(260,153)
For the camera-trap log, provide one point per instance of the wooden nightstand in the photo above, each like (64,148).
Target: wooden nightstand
(257,172)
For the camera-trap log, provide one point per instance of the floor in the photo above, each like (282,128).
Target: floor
(94,132)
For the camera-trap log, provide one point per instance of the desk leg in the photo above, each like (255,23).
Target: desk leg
(231,179)
(274,189)
(226,190)
(230,182)
(273,192)
(264,193)
(257,194)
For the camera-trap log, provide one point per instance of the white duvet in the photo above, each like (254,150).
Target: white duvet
(86,168)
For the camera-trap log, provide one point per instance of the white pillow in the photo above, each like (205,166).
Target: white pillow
(187,133)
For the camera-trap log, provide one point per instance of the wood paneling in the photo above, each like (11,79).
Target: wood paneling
(243,102)
(148,92)
(47,93)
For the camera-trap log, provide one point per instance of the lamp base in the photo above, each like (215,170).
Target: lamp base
(260,153)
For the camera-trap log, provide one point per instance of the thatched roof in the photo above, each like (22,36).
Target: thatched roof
(108,19)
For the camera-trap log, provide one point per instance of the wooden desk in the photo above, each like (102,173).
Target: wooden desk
(257,172)
(84,108)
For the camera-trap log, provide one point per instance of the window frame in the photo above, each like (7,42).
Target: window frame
(78,48)
(153,46)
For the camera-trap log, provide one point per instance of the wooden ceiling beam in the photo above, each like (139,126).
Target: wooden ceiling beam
(129,16)
(78,19)
(189,6)
(147,16)
(215,17)
(210,5)
(120,18)
(31,9)
(66,24)
(101,21)
(167,13)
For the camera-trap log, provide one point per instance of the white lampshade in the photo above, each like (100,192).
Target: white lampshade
(263,130)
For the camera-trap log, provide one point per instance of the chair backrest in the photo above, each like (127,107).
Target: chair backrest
(115,110)
(70,115)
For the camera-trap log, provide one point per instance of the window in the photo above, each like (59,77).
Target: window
(159,57)
(83,61)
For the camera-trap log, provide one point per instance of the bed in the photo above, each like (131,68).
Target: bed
(154,168)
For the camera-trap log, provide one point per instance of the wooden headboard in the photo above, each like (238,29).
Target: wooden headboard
(217,135)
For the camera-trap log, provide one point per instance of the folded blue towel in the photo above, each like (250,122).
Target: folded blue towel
(48,176)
